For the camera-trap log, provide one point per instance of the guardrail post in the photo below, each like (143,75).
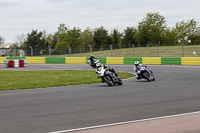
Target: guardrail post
(111,48)
(90,49)
(31,50)
(133,50)
(49,50)
(69,50)
(157,49)
(182,50)
(15,52)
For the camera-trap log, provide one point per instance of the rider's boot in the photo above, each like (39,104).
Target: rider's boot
(116,75)
(102,80)
(138,77)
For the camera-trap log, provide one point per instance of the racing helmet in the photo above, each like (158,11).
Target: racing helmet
(92,58)
(137,63)
(98,65)
(93,61)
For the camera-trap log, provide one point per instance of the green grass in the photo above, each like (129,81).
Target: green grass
(12,80)
(164,51)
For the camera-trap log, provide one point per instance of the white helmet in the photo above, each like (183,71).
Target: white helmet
(137,63)
(96,61)
(98,65)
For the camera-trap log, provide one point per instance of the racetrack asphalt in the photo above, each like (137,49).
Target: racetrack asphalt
(175,91)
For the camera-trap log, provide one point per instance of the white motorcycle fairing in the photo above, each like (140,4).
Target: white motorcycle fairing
(100,72)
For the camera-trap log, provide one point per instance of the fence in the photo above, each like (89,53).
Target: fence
(155,51)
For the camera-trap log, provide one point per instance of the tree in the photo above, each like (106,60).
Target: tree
(62,34)
(68,37)
(151,29)
(170,36)
(184,30)
(128,39)
(100,38)
(109,40)
(51,40)
(188,30)
(74,37)
(195,38)
(87,38)
(116,39)
(36,41)
(2,41)
(20,40)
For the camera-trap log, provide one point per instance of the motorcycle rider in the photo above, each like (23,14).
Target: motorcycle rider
(137,68)
(94,62)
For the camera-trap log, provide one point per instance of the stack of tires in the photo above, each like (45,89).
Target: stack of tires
(21,63)
(15,63)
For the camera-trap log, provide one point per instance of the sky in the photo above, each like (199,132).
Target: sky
(19,17)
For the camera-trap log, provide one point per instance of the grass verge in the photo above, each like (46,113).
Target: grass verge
(12,80)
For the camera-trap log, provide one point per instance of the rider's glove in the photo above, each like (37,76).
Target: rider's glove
(97,74)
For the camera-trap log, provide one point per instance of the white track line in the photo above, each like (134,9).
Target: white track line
(120,123)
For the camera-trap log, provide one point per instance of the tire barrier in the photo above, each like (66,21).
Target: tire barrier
(110,60)
(12,58)
(55,60)
(37,60)
(171,60)
(131,60)
(2,59)
(151,60)
(15,63)
(75,60)
(114,60)
(190,60)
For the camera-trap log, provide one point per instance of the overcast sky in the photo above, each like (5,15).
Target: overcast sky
(19,17)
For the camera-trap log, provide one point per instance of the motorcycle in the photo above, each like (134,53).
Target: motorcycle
(146,74)
(108,76)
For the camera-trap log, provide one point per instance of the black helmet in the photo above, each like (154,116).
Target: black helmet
(93,61)
(92,58)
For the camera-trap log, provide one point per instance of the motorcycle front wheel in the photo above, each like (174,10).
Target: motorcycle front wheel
(146,76)
(153,79)
(119,82)
(108,80)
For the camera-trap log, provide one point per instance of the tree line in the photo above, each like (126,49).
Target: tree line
(152,30)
